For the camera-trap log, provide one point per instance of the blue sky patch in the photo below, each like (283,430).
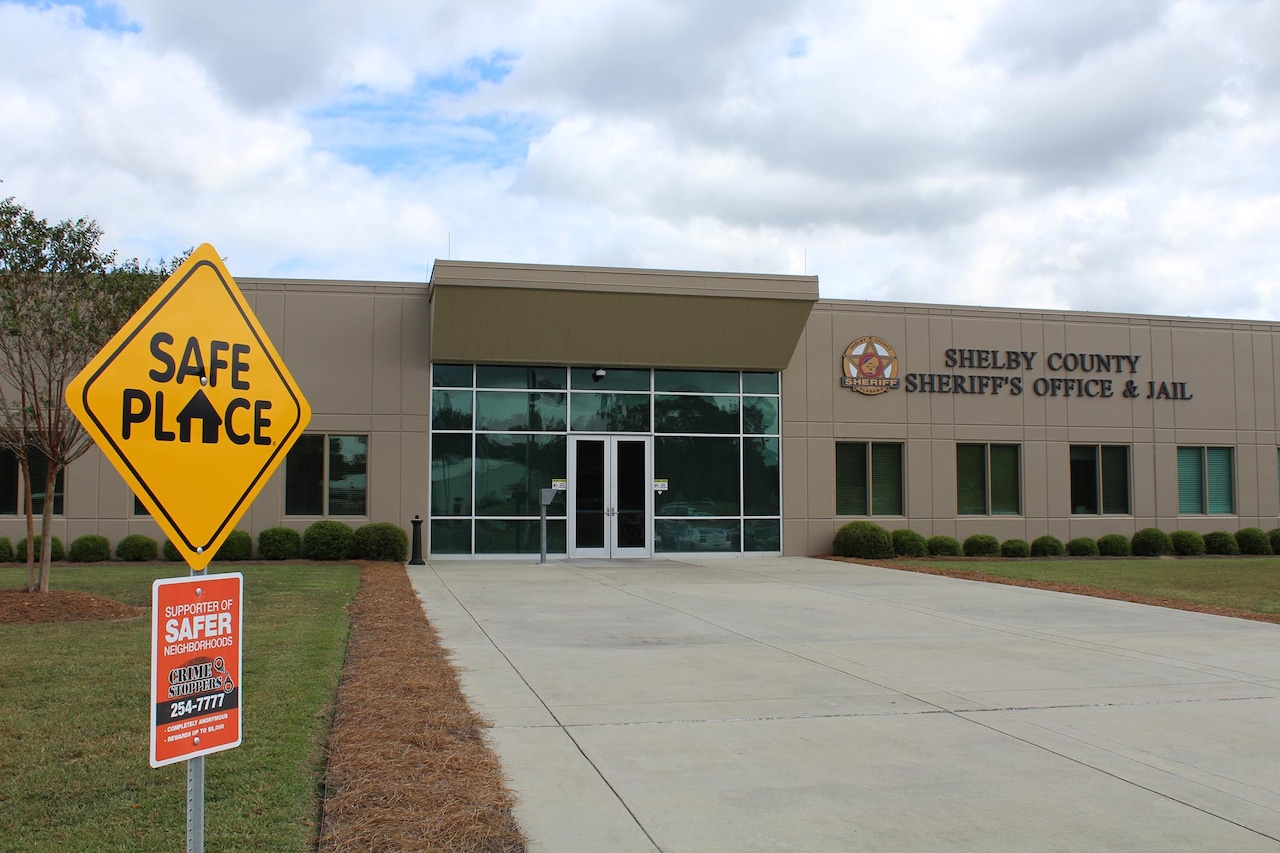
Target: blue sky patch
(408,131)
(96,16)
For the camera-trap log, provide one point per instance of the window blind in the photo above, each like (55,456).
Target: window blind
(1221,488)
(886,479)
(1190,480)
(851,478)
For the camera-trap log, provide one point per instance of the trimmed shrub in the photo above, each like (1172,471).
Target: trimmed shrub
(90,549)
(864,540)
(1220,542)
(1113,545)
(908,543)
(1015,548)
(279,543)
(136,548)
(982,545)
(1252,540)
(57,551)
(1274,536)
(1047,546)
(327,540)
(1187,543)
(1082,546)
(944,546)
(381,540)
(237,546)
(6,550)
(171,552)
(1151,542)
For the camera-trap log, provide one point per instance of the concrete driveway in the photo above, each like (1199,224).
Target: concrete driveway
(796,704)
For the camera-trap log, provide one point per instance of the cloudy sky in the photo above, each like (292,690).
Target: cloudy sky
(1118,155)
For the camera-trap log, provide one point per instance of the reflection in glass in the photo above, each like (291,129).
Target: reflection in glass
(759,383)
(512,376)
(971,479)
(610,412)
(450,474)
(506,411)
(695,413)
(451,375)
(9,479)
(717,446)
(696,381)
(762,534)
(760,494)
(696,534)
(589,491)
(632,490)
(450,409)
(511,469)
(348,477)
(1115,479)
(760,415)
(701,474)
(614,379)
(450,536)
(517,536)
(38,464)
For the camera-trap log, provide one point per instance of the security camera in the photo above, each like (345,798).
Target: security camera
(598,375)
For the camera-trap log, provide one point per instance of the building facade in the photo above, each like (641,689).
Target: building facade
(719,413)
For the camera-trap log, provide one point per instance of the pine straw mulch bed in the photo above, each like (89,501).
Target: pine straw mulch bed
(1074,589)
(17,606)
(408,767)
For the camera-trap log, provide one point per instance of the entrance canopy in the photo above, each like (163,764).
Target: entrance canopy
(593,316)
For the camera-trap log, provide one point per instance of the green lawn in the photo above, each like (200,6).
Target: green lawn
(1246,583)
(74,714)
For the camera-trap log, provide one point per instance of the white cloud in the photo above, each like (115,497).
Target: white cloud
(1105,156)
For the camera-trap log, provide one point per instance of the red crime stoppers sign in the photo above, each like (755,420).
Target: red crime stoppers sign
(195,666)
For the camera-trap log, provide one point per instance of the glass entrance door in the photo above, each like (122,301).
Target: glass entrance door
(610,496)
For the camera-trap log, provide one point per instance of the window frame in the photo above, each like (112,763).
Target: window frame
(988,469)
(754,391)
(1100,478)
(59,487)
(869,477)
(325,468)
(1204,454)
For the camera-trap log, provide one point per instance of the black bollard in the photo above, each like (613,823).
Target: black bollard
(416,558)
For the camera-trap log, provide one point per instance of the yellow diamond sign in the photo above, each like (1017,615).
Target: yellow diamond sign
(193,405)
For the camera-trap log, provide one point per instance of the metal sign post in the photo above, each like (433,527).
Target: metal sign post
(195,796)
(195,805)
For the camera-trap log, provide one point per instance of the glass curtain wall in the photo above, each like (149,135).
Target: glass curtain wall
(500,433)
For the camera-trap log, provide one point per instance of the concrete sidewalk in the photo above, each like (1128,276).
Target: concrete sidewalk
(796,704)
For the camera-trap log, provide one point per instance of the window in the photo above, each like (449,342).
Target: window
(1099,479)
(1206,481)
(987,479)
(327,475)
(501,432)
(12,501)
(856,492)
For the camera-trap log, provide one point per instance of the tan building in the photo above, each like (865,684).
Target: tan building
(721,413)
